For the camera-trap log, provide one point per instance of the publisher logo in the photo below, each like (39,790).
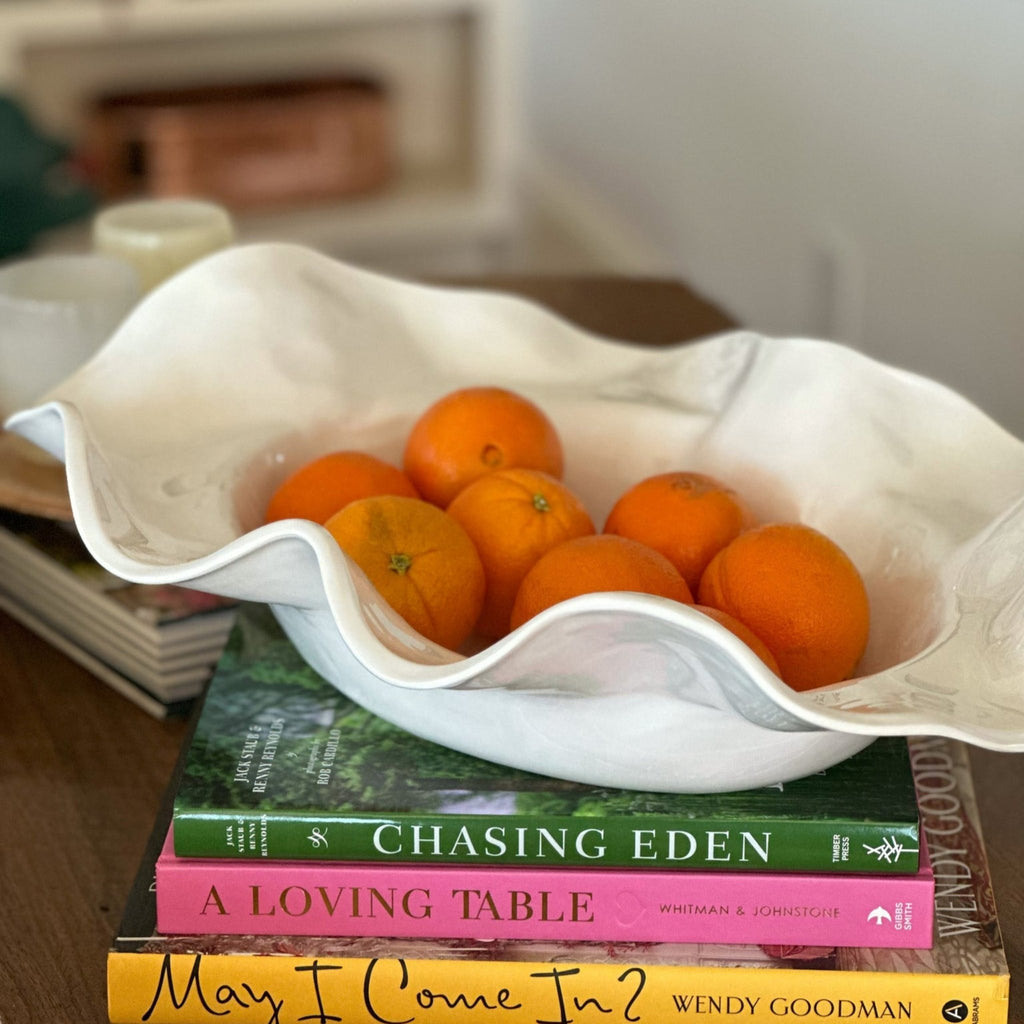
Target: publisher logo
(890,850)
(880,915)
(318,838)
(955,1010)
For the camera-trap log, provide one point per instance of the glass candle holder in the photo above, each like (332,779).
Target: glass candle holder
(159,237)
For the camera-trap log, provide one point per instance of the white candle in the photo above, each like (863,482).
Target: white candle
(159,237)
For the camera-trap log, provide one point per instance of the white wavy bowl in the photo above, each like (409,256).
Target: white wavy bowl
(258,358)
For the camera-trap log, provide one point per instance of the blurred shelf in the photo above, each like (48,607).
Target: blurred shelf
(416,209)
(450,67)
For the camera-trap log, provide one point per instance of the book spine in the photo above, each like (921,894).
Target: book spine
(831,846)
(409,901)
(183,988)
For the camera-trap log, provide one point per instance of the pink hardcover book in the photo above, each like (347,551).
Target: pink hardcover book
(218,896)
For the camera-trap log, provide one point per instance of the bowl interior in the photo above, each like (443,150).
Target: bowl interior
(908,550)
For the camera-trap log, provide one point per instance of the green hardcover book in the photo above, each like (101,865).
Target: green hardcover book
(282,765)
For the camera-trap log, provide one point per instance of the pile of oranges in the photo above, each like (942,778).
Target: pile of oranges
(476,534)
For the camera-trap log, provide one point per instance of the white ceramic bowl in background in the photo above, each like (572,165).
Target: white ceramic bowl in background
(55,312)
(230,375)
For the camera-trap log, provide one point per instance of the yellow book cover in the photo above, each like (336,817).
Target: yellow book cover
(291,980)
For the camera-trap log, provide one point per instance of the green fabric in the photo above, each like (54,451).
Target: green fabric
(39,188)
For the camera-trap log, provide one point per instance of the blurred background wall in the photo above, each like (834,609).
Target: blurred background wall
(853,171)
(846,170)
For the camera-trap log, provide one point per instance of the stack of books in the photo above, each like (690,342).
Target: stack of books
(156,645)
(314,863)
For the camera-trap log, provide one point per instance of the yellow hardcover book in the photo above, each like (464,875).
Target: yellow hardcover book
(281,980)
(162,989)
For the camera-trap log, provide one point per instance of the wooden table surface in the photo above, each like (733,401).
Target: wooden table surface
(82,770)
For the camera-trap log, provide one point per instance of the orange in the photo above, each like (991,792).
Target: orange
(514,516)
(319,488)
(747,635)
(688,517)
(474,431)
(800,593)
(587,565)
(420,560)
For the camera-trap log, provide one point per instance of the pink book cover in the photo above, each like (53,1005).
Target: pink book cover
(203,896)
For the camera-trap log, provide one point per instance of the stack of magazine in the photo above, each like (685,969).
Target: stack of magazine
(156,645)
(315,863)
